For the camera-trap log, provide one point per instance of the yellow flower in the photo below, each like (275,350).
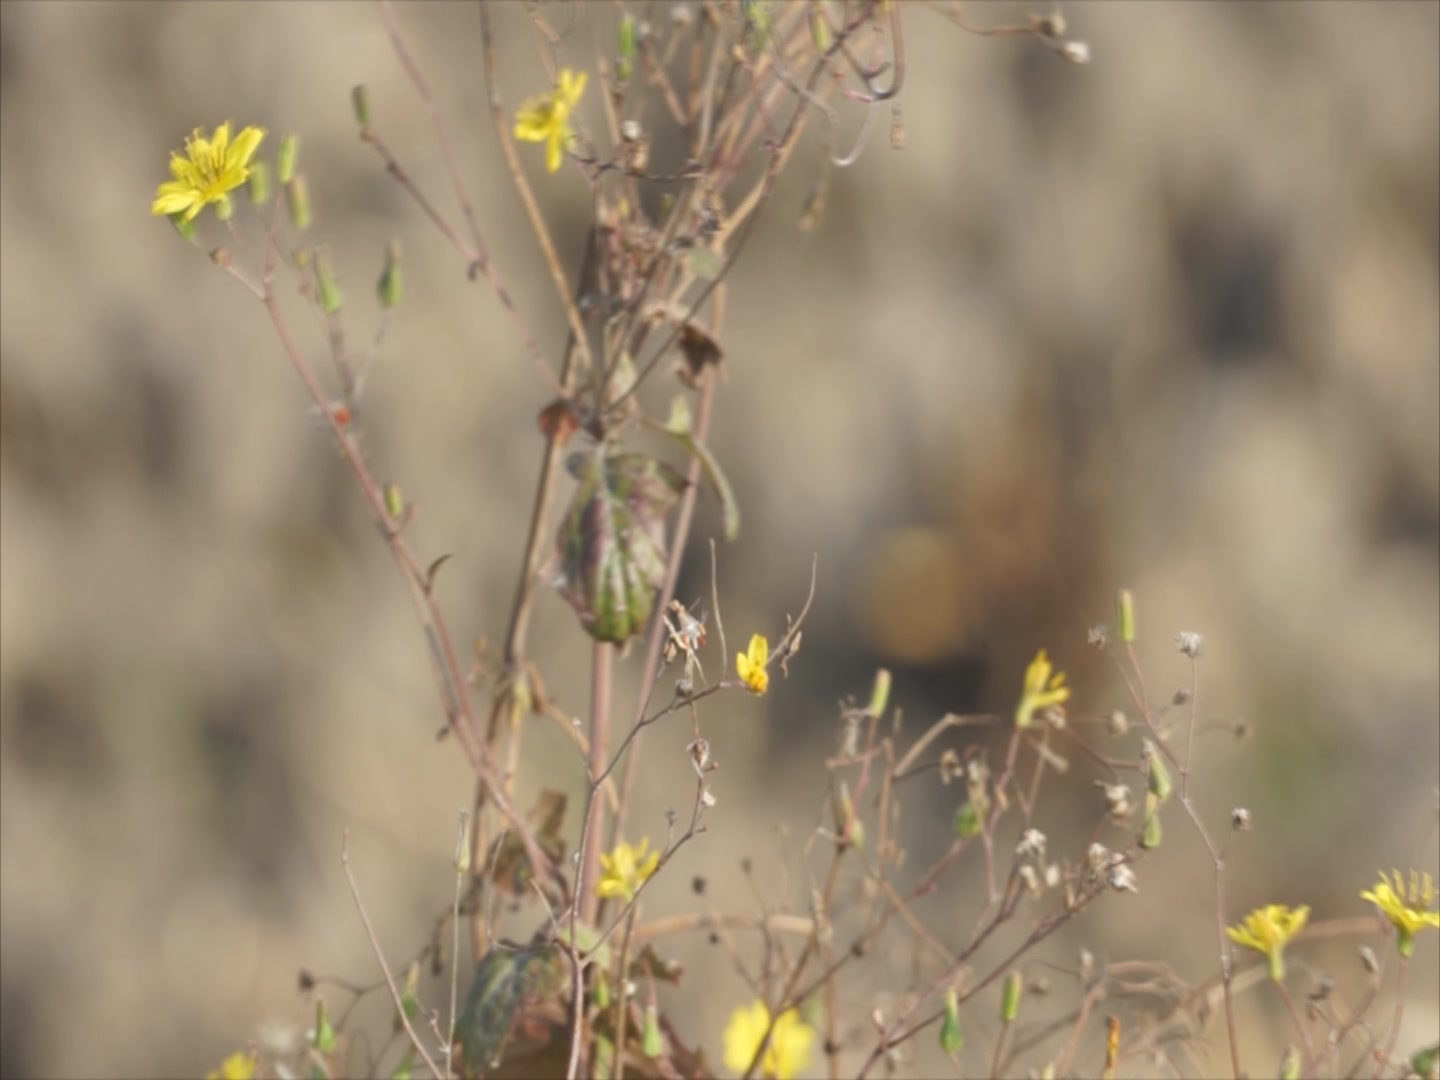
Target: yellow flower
(547,118)
(1408,910)
(790,1042)
(625,869)
(1267,930)
(206,171)
(750,664)
(238,1066)
(1041,690)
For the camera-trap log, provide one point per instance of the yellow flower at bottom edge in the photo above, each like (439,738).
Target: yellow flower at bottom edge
(750,665)
(790,1042)
(1042,690)
(238,1066)
(208,170)
(625,869)
(547,118)
(1408,910)
(1267,929)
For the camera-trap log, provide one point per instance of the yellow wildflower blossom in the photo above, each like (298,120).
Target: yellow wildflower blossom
(750,664)
(1042,690)
(1267,929)
(206,172)
(790,1043)
(238,1066)
(625,869)
(547,118)
(1407,909)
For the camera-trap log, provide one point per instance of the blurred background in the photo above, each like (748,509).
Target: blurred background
(1167,321)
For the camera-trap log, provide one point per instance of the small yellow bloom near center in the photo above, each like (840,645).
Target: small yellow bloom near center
(1267,929)
(207,171)
(238,1066)
(790,1043)
(547,118)
(625,869)
(750,664)
(1042,690)
(1407,909)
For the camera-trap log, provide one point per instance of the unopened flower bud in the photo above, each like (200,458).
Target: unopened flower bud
(1125,615)
(951,1037)
(1152,835)
(258,185)
(879,693)
(286,157)
(297,200)
(360,102)
(1010,997)
(652,1043)
(391,286)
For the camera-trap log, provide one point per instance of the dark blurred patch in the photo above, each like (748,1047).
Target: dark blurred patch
(1041,83)
(149,404)
(63,448)
(1405,513)
(1230,266)
(252,809)
(52,730)
(19,1021)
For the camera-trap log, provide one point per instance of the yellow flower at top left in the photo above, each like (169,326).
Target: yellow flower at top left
(207,171)
(547,118)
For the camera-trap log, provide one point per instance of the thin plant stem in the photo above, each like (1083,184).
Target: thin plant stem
(380,956)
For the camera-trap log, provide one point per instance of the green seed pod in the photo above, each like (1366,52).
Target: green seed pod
(391,286)
(325,1037)
(951,1037)
(967,820)
(1010,997)
(626,67)
(611,543)
(652,1043)
(1159,780)
(394,500)
(1125,615)
(879,693)
(1153,834)
(259,185)
(286,157)
(360,102)
(297,198)
(331,298)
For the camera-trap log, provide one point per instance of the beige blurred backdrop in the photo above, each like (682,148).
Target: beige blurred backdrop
(1166,321)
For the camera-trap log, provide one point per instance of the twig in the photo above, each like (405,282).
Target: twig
(380,956)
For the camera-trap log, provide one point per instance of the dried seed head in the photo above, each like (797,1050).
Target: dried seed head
(1077,52)
(1119,723)
(1240,819)
(1032,844)
(1369,959)
(1098,635)
(1189,643)
(1117,800)
(1122,879)
(1051,25)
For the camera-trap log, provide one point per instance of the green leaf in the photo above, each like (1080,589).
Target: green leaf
(679,426)
(503,980)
